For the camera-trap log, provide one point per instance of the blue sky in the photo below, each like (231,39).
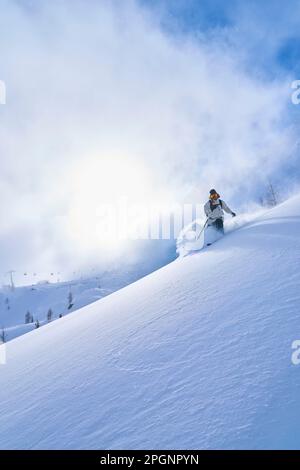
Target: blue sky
(270,25)
(194,15)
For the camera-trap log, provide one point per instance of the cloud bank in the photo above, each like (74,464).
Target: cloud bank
(103,102)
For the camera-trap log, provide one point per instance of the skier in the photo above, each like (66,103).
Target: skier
(214,210)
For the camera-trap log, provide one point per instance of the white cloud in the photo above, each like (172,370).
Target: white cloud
(95,82)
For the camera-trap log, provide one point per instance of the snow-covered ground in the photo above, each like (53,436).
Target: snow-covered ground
(38,298)
(195,355)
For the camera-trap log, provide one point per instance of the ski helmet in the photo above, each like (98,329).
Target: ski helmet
(213,194)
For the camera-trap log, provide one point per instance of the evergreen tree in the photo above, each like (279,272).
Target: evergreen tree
(2,336)
(49,315)
(28,317)
(272,198)
(70,301)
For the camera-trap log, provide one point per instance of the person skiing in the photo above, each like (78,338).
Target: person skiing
(214,210)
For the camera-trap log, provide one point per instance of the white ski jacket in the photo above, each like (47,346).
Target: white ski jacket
(215,210)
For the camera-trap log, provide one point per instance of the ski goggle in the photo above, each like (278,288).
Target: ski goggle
(214,196)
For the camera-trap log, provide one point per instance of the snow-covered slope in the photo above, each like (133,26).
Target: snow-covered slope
(38,298)
(195,355)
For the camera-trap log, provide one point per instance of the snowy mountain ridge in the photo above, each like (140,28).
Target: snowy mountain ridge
(24,308)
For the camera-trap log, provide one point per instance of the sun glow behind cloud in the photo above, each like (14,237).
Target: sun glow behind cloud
(110,199)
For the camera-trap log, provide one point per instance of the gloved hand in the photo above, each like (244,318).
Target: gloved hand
(233,214)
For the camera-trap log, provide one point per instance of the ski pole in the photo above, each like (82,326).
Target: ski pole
(202,229)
